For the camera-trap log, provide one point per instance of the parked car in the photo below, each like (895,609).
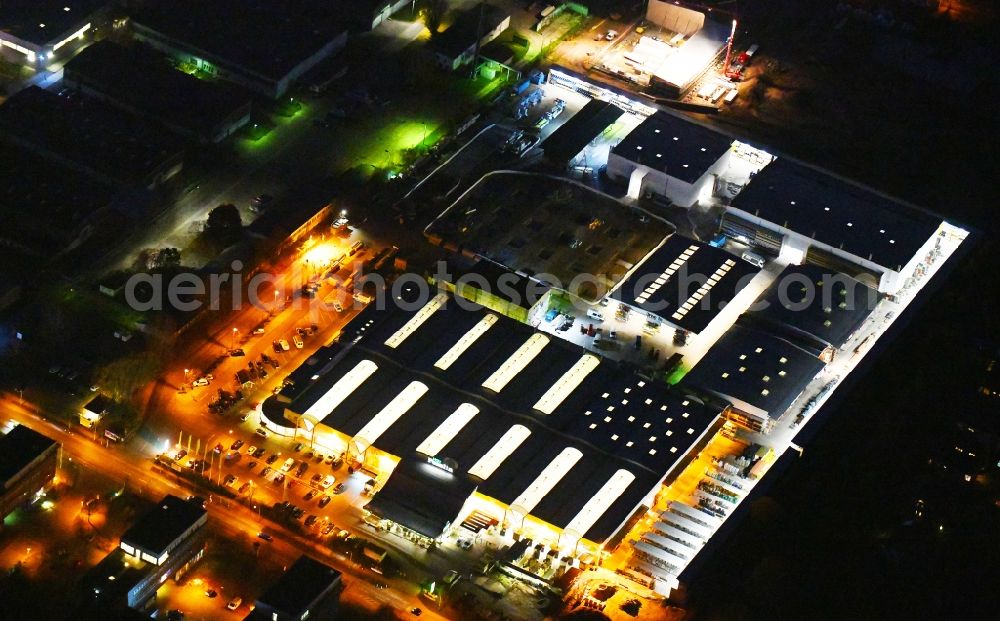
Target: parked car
(283,344)
(324,501)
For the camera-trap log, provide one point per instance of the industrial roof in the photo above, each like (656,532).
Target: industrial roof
(42,21)
(553,228)
(300,586)
(680,148)
(505,402)
(90,134)
(817,302)
(159,527)
(686,282)
(266,37)
(461,35)
(837,213)
(506,285)
(694,56)
(18,448)
(141,79)
(753,368)
(587,124)
(422,497)
(44,204)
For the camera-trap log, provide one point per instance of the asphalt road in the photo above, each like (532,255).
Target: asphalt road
(141,477)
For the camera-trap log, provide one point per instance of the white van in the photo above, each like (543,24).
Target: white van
(328,481)
(595,315)
(234,603)
(289,463)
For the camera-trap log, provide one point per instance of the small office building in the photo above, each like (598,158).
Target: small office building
(28,462)
(308,589)
(162,544)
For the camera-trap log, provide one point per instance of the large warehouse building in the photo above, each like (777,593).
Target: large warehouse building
(776,205)
(263,45)
(35,33)
(683,162)
(491,418)
(813,216)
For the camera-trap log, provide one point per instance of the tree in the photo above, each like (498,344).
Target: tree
(224,219)
(434,12)
(222,228)
(164,259)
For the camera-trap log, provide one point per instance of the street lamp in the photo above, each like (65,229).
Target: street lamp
(235,332)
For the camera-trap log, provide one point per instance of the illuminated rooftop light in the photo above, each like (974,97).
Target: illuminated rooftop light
(342,389)
(569,382)
(546,480)
(516,362)
(488,463)
(416,321)
(667,273)
(390,414)
(448,429)
(465,342)
(704,289)
(612,489)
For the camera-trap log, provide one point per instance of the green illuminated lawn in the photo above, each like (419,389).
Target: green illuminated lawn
(288,108)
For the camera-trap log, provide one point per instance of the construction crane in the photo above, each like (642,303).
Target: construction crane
(733,73)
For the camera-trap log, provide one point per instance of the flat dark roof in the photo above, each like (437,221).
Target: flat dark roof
(99,404)
(422,497)
(163,524)
(680,148)
(673,275)
(647,429)
(817,302)
(43,204)
(111,579)
(837,213)
(143,79)
(18,448)
(42,21)
(267,37)
(301,585)
(756,367)
(461,35)
(587,124)
(89,133)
